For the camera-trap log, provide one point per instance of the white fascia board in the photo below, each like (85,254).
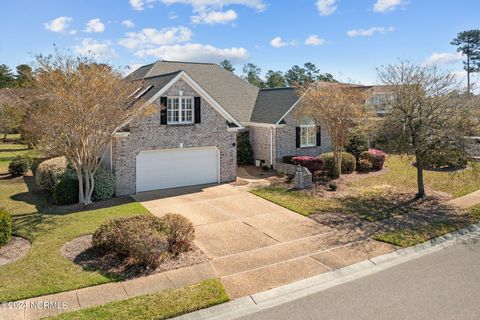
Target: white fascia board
(262,125)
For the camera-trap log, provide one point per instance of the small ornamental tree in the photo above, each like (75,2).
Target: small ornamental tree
(86,103)
(339,107)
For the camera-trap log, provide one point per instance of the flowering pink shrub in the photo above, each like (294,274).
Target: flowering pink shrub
(376,157)
(311,163)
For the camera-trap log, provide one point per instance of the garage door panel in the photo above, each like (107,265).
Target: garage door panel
(176,168)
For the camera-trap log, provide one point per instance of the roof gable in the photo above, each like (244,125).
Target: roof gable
(272,104)
(234,94)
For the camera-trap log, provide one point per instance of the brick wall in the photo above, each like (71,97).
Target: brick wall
(146,133)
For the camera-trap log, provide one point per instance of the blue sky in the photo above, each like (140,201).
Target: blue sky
(348,38)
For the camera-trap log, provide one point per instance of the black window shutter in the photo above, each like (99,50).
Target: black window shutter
(198,110)
(297,137)
(319,136)
(163,110)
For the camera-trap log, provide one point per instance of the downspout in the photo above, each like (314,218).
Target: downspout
(271,147)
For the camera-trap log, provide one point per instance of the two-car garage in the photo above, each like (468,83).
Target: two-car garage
(172,168)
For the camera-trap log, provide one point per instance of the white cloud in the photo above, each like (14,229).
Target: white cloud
(443,58)
(59,24)
(278,42)
(152,37)
(215,17)
(195,52)
(95,25)
(315,40)
(172,15)
(326,7)
(388,5)
(99,49)
(369,32)
(200,4)
(128,23)
(217,4)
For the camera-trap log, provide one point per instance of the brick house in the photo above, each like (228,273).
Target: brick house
(189,138)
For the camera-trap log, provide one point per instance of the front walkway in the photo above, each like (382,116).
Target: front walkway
(466,201)
(50,305)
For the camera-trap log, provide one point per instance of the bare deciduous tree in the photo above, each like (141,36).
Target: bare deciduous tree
(12,110)
(339,107)
(86,103)
(427,114)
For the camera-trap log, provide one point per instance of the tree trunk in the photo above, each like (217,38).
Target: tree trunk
(421,186)
(468,73)
(88,188)
(5,136)
(81,194)
(337,155)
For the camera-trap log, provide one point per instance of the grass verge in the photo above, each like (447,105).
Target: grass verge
(163,305)
(407,237)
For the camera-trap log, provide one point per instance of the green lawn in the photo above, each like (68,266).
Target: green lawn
(163,305)
(403,175)
(406,237)
(8,151)
(376,197)
(44,270)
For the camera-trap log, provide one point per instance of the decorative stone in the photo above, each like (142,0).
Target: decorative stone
(303,178)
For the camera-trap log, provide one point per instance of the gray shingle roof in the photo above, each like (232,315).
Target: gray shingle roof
(272,104)
(158,82)
(232,93)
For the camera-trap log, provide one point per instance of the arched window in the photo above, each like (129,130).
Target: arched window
(308,133)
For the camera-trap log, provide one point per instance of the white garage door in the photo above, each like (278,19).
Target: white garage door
(163,169)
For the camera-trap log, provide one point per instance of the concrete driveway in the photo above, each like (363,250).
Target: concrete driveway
(253,244)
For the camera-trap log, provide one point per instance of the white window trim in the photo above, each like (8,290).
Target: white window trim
(180,109)
(309,144)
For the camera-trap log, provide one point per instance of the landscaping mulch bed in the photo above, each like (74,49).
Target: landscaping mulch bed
(16,249)
(81,252)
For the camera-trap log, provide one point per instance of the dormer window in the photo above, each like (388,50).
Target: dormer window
(180,110)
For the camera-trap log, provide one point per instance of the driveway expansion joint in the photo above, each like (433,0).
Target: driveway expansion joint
(305,287)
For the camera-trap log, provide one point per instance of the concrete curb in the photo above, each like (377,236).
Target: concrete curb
(293,291)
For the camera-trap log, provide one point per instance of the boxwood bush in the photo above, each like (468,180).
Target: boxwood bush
(348,163)
(364,166)
(5,227)
(148,240)
(66,190)
(50,171)
(104,187)
(19,165)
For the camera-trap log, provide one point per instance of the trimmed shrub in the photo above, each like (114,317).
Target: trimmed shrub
(376,157)
(357,143)
(453,158)
(66,190)
(332,186)
(180,233)
(19,165)
(288,159)
(244,148)
(348,163)
(104,187)
(364,165)
(50,171)
(313,164)
(35,163)
(141,238)
(5,227)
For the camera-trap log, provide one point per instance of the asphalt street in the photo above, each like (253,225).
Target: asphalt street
(440,285)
